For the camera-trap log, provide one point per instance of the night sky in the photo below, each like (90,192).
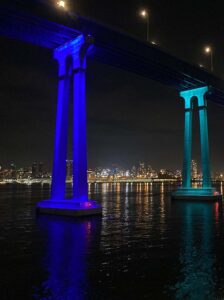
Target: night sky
(130,118)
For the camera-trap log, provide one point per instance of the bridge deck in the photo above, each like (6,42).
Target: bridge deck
(41,25)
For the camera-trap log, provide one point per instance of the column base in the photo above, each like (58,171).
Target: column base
(197,194)
(73,208)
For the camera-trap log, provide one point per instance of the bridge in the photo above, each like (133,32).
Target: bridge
(73,39)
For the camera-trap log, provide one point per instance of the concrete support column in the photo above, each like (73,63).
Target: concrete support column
(80,185)
(72,64)
(61,134)
(187,141)
(205,161)
(186,191)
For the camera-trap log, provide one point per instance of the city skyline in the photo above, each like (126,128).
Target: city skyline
(142,170)
(39,164)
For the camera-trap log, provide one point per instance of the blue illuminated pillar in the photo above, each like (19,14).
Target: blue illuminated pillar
(80,185)
(72,63)
(61,134)
(205,162)
(187,139)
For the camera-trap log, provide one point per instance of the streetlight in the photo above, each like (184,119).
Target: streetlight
(154,43)
(208,50)
(61,4)
(145,15)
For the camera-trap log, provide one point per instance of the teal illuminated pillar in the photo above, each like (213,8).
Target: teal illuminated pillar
(206,192)
(198,93)
(187,139)
(205,161)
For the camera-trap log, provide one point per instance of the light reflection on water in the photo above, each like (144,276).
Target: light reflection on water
(197,275)
(145,246)
(68,246)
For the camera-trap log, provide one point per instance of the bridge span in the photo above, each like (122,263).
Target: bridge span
(41,24)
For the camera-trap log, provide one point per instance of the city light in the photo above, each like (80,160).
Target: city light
(208,49)
(144,13)
(143,172)
(154,43)
(61,3)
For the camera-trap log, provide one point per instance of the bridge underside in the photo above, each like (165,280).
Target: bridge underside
(51,29)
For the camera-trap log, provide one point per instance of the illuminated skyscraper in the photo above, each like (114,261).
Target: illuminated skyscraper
(194,169)
(41,169)
(13,170)
(141,170)
(149,170)
(133,172)
(69,168)
(34,170)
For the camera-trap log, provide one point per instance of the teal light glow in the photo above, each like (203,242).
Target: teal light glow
(197,277)
(199,93)
(188,96)
(187,192)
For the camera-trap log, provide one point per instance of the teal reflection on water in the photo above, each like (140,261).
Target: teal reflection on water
(197,276)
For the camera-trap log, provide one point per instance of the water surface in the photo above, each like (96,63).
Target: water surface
(144,247)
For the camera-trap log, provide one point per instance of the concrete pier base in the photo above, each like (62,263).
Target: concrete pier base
(68,207)
(197,194)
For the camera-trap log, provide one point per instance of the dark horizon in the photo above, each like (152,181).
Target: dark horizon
(130,118)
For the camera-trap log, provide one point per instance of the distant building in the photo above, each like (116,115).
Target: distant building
(91,175)
(69,169)
(141,170)
(133,172)
(13,170)
(178,174)
(162,171)
(34,170)
(166,174)
(149,171)
(41,169)
(194,169)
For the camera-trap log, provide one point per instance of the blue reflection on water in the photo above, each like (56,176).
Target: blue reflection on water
(197,278)
(68,243)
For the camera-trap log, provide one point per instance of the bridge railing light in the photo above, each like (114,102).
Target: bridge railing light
(154,43)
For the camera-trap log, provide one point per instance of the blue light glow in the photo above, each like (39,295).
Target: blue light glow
(65,256)
(72,63)
(68,204)
(76,64)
